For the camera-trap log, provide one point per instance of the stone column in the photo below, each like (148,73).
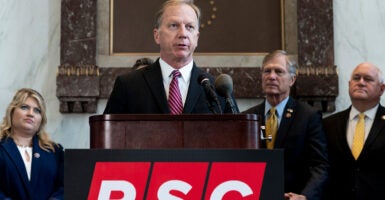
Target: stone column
(317,82)
(78,75)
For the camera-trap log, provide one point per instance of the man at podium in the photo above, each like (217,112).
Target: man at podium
(170,85)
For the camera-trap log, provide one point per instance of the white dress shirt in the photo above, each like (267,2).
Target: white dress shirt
(353,119)
(183,81)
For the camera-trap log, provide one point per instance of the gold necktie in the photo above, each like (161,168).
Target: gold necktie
(271,128)
(359,136)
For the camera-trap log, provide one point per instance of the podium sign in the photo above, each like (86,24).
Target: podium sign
(208,174)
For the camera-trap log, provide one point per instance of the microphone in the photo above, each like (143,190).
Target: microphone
(211,96)
(224,87)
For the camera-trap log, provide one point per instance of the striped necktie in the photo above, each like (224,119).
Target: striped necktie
(174,97)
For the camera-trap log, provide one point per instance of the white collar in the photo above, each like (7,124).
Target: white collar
(371,113)
(167,69)
(279,108)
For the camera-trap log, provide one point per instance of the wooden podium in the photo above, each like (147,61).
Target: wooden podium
(136,156)
(154,131)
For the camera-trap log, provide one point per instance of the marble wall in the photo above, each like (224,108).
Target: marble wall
(359,29)
(30,56)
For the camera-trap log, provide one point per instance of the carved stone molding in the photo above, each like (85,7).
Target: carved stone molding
(317,86)
(78,88)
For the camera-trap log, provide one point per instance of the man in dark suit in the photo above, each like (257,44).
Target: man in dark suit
(357,163)
(142,91)
(297,129)
(147,90)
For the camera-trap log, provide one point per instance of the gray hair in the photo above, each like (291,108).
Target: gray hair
(291,64)
(380,76)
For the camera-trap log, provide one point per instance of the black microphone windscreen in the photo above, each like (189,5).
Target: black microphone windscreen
(224,85)
(202,78)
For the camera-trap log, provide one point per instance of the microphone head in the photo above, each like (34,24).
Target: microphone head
(202,78)
(224,85)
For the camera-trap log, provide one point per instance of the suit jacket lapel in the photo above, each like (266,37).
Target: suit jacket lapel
(154,79)
(36,161)
(194,91)
(341,131)
(377,128)
(260,110)
(286,120)
(14,155)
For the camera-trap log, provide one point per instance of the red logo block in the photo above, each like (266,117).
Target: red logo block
(232,181)
(119,180)
(177,180)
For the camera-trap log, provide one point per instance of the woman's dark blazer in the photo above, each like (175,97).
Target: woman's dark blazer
(47,173)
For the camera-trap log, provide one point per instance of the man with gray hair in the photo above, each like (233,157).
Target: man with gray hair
(294,127)
(356,139)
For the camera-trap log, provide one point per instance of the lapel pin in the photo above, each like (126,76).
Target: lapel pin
(36,155)
(289,111)
(383,117)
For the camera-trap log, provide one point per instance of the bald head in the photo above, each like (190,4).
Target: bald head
(370,66)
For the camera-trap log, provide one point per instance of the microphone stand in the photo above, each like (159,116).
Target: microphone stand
(212,101)
(211,96)
(212,108)
(230,104)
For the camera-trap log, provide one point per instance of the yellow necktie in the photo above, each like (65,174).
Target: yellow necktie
(271,128)
(359,136)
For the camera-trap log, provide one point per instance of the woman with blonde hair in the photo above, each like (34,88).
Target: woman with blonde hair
(31,165)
